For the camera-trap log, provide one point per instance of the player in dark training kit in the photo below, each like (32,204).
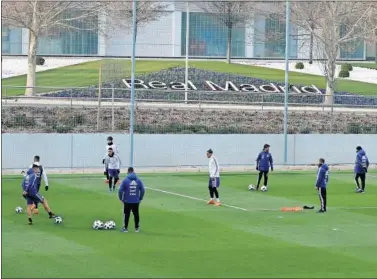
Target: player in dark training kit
(361,169)
(264,162)
(31,194)
(321,184)
(41,173)
(131,193)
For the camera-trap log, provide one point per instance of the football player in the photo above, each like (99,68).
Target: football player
(112,168)
(264,162)
(110,144)
(214,178)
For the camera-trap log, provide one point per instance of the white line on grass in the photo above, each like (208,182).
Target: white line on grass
(196,199)
(244,209)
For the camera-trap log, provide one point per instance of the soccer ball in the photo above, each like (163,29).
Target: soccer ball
(112,224)
(58,220)
(97,225)
(109,225)
(251,187)
(18,209)
(264,189)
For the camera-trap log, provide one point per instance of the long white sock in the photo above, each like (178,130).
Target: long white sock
(218,200)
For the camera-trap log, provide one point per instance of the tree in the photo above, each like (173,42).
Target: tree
(120,13)
(230,14)
(373,28)
(336,25)
(40,17)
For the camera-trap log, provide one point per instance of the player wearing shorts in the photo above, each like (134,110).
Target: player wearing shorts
(264,162)
(41,173)
(110,144)
(214,178)
(31,194)
(112,168)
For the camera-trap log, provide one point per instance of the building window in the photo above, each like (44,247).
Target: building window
(208,37)
(353,50)
(79,40)
(269,38)
(11,40)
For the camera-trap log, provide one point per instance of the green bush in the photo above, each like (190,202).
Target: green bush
(299,65)
(346,67)
(344,74)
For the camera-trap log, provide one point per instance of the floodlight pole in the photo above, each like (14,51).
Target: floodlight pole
(286,85)
(133,66)
(187,50)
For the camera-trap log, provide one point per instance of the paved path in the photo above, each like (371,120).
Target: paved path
(86,103)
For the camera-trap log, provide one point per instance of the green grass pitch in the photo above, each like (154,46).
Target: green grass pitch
(86,74)
(181,236)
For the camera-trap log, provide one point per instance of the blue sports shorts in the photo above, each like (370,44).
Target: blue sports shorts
(113,173)
(214,182)
(37,198)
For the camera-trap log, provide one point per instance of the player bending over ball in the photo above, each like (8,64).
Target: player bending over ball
(361,169)
(31,194)
(39,174)
(112,168)
(264,162)
(214,178)
(110,144)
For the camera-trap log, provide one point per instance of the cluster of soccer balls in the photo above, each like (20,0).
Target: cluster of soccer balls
(58,219)
(99,225)
(252,188)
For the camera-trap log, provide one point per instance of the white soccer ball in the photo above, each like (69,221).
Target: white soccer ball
(18,209)
(264,189)
(97,225)
(58,220)
(109,225)
(251,187)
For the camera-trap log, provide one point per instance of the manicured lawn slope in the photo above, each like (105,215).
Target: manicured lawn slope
(87,74)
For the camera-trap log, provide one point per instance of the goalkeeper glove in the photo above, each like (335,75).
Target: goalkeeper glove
(105,173)
(272,169)
(46,187)
(103,161)
(257,168)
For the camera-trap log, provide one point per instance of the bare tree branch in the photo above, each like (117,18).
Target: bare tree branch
(120,13)
(336,26)
(230,14)
(40,17)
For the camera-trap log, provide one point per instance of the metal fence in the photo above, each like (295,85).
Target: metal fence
(166,112)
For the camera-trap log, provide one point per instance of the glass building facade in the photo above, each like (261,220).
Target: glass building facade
(208,36)
(269,38)
(264,38)
(11,40)
(79,39)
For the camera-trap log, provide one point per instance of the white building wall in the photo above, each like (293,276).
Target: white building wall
(64,151)
(303,45)
(153,39)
